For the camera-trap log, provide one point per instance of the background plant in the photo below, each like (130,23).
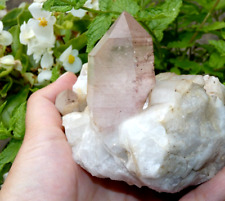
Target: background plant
(189,38)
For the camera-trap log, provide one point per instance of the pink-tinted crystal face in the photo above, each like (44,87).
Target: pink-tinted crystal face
(120,73)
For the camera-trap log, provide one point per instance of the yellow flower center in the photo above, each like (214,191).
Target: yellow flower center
(42,21)
(71,59)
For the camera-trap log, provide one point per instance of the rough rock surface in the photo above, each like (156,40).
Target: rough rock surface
(176,141)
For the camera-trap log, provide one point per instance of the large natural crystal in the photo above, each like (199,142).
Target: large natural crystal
(178,140)
(166,139)
(120,73)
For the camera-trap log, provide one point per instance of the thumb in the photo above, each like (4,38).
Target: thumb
(41,110)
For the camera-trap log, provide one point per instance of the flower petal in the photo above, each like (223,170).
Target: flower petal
(26,33)
(40,1)
(47,60)
(43,34)
(44,75)
(74,52)
(7,60)
(64,56)
(3,13)
(5,38)
(1,26)
(37,12)
(75,67)
(78,13)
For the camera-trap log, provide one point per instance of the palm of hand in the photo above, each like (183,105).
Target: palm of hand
(62,179)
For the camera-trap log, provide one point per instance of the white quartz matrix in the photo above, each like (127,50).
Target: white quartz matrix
(177,140)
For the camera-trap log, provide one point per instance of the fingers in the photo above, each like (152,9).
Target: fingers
(213,190)
(41,111)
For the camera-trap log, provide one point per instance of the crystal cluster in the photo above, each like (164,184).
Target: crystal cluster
(165,132)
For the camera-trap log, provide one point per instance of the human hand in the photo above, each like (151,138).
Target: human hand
(44,169)
(212,190)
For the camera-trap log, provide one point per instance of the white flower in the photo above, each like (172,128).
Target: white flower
(38,34)
(93,4)
(26,34)
(22,5)
(3,13)
(71,61)
(44,75)
(78,12)
(5,37)
(40,1)
(47,60)
(42,23)
(9,61)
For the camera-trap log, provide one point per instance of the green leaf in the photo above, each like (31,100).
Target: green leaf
(214,26)
(4,132)
(118,6)
(175,70)
(17,121)
(9,153)
(190,9)
(12,103)
(183,41)
(105,5)
(79,4)
(55,73)
(97,29)
(16,45)
(4,71)
(223,34)
(2,106)
(216,61)
(221,5)
(10,19)
(187,65)
(129,6)
(190,20)
(151,14)
(81,25)
(2,4)
(84,57)
(24,17)
(170,9)
(63,6)
(16,16)
(57,5)
(207,4)
(77,43)
(6,87)
(211,71)
(25,61)
(219,45)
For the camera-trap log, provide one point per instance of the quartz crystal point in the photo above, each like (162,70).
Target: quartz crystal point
(120,73)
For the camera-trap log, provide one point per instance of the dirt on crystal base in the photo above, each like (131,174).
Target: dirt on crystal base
(15,3)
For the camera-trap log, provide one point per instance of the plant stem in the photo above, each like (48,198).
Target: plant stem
(204,21)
